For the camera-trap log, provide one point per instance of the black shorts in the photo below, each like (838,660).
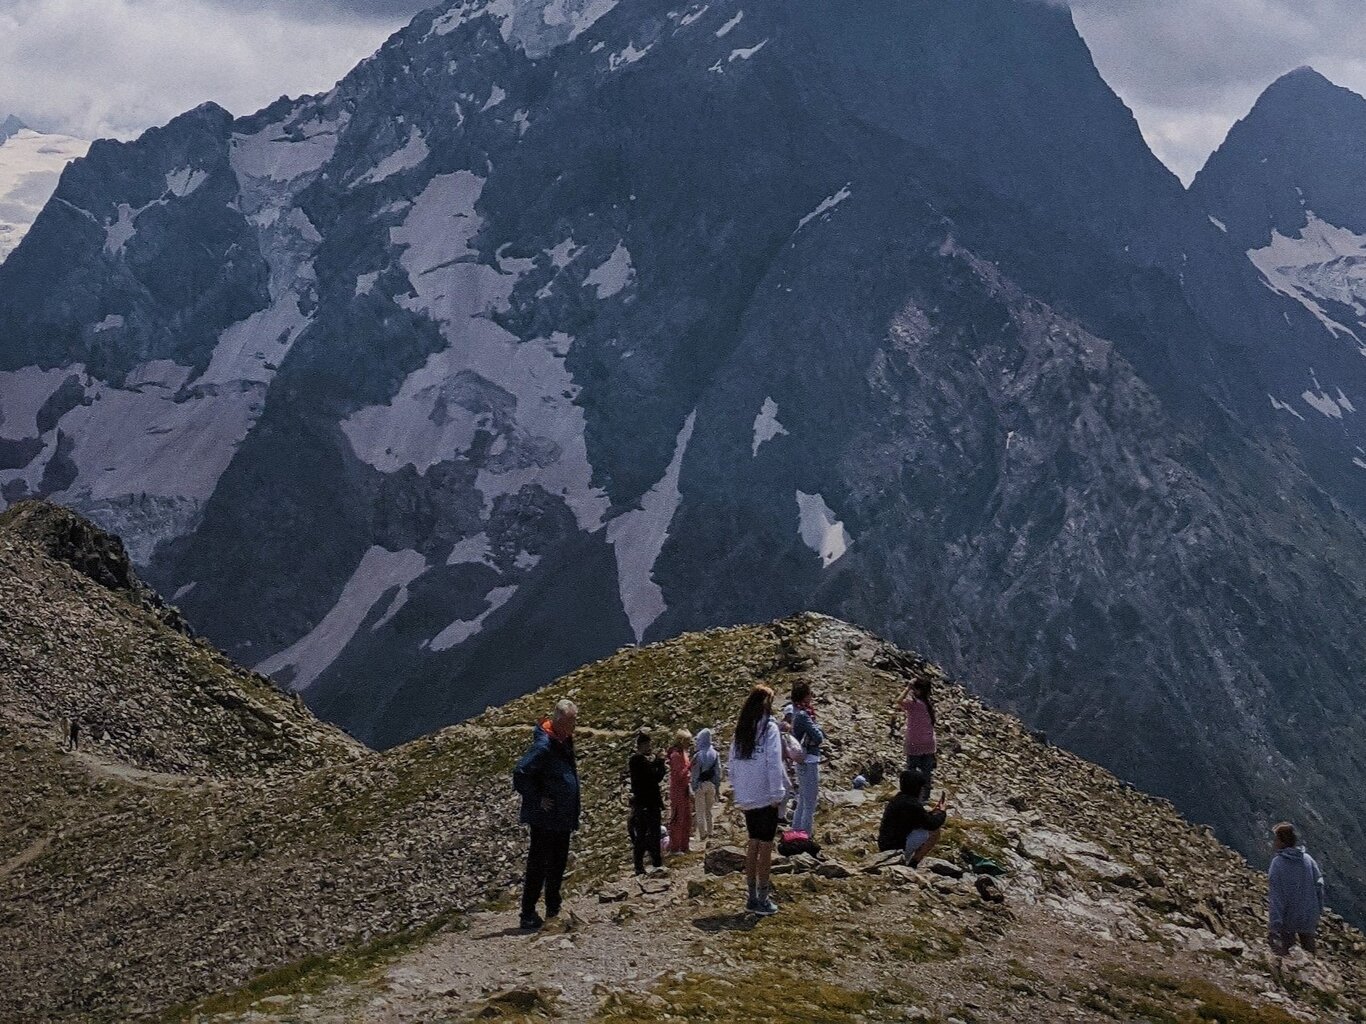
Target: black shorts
(762,824)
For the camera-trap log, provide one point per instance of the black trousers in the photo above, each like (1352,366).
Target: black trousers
(645,828)
(545,863)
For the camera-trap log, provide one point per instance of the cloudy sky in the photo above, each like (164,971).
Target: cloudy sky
(1188,68)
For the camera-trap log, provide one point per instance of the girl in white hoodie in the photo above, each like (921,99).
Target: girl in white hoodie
(758,782)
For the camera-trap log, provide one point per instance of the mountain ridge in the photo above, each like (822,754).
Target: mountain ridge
(375,882)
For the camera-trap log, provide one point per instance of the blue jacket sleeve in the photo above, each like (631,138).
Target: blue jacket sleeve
(526,777)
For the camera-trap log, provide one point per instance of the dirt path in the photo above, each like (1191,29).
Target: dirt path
(26,856)
(162,781)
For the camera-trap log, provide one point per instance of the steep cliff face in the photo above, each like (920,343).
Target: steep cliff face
(556,327)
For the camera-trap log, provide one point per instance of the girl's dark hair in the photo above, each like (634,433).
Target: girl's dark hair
(757,705)
(801,692)
(922,690)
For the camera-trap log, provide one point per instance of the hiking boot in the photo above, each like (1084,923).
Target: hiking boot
(531,922)
(764,907)
(551,914)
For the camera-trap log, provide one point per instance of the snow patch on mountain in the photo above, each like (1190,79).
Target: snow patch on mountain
(1323,262)
(289,150)
(474,550)
(440,406)
(766,425)
(23,393)
(379,571)
(820,530)
(693,15)
(614,275)
(414,151)
(730,25)
(537,26)
(1280,406)
(826,205)
(31,164)
(627,56)
(184,181)
(462,629)
(638,537)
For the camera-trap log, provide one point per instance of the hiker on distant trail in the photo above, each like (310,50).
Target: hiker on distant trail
(646,770)
(920,724)
(809,735)
(756,776)
(1296,893)
(73,734)
(907,824)
(680,792)
(547,777)
(706,782)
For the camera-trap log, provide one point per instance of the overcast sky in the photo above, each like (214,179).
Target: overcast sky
(1188,68)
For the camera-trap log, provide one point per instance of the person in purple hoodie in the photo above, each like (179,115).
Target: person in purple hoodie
(1295,894)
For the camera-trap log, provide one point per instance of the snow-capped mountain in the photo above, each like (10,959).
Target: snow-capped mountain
(565,324)
(30,164)
(1288,186)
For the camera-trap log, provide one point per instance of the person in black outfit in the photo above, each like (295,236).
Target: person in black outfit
(547,777)
(647,805)
(909,826)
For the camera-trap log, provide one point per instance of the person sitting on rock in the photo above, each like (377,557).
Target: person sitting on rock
(706,782)
(680,792)
(1295,894)
(812,739)
(756,777)
(547,777)
(646,771)
(909,826)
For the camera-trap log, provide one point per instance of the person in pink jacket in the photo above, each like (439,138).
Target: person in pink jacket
(680,792)
(921,746)
(757,781)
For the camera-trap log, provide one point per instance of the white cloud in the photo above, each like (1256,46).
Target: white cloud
(117,67)
(1190,68)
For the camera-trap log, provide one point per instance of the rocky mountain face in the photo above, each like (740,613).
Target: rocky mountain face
(288,874)
(30,165)
(560,326)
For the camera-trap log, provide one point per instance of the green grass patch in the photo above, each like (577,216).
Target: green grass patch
(1165,1000)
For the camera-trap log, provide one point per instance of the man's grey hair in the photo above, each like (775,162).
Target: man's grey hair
(564,709)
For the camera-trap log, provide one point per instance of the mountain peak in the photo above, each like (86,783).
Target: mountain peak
(11,125)
(1301,148)
(1304,83)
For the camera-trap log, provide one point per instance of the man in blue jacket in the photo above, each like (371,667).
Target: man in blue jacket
(1296,893)
(547,777)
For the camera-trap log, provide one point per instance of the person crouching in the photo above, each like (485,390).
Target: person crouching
(907,824)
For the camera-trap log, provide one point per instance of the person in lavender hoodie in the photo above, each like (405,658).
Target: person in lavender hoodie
(756,778)
(1295,896)
(812,739)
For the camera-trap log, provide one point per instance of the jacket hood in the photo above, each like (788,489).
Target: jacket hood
(1295,853)
(703,740)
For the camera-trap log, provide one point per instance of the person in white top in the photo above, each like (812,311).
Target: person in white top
(758,782)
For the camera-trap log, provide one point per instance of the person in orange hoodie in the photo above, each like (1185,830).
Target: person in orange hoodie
(680,792)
